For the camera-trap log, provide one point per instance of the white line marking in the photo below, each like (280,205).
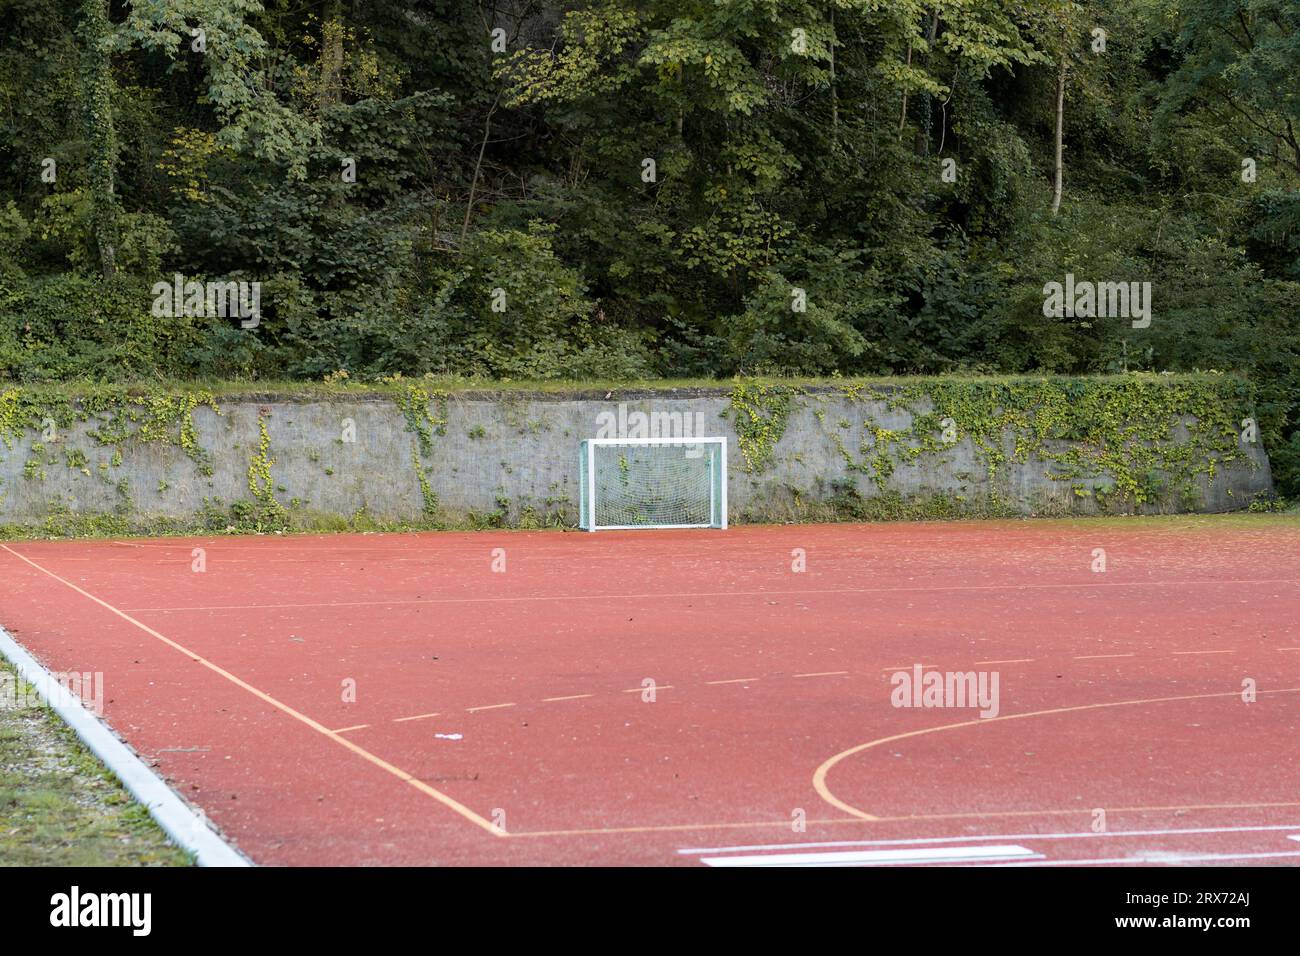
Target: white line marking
(284,708)
(1152,858)
(1097,657)
(547,700)
(823,674)
(344,730)
(1019,660)
(660,596)
(1003,836)
(474,710)
(878,857)
(1295,837)
(738,680)
(1201,652)
(402,720)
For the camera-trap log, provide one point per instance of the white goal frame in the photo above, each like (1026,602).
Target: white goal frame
(587,507)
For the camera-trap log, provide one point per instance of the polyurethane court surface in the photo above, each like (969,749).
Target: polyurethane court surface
(688,697)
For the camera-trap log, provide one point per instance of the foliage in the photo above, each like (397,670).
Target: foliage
(652,188)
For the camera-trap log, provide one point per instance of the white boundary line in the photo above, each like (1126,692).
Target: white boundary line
(1070,835)
(940,854)
(1143,859)
(182,823)
(774,592)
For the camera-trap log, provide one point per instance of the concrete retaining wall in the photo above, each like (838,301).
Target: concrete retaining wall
(514,455)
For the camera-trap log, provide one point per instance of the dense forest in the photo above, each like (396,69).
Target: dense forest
(645,188)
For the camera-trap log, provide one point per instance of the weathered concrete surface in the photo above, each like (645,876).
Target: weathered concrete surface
(510,454)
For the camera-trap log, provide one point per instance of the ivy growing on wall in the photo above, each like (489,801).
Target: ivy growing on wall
(417,402)
(759,413)
(1124,442)
(1131,440)
(114,416)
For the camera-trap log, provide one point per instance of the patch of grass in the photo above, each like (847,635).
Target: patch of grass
(241,519)
(58,805)
(619,389)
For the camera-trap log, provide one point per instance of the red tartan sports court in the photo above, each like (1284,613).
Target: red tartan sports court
(687,698)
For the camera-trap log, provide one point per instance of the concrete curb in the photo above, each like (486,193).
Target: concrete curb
(185,825)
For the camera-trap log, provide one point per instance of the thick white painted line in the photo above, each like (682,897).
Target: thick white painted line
(1295,837)
(182,823)
(1003,836)
(1151,858)
(938,854)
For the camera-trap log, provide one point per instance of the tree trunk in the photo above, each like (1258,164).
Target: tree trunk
(902,115)
(922,144)
(331,58)
(1060,132)
(478,169)
(835,97)
(97,96)
(681,110)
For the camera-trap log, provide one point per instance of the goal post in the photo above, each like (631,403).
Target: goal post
(652,483)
